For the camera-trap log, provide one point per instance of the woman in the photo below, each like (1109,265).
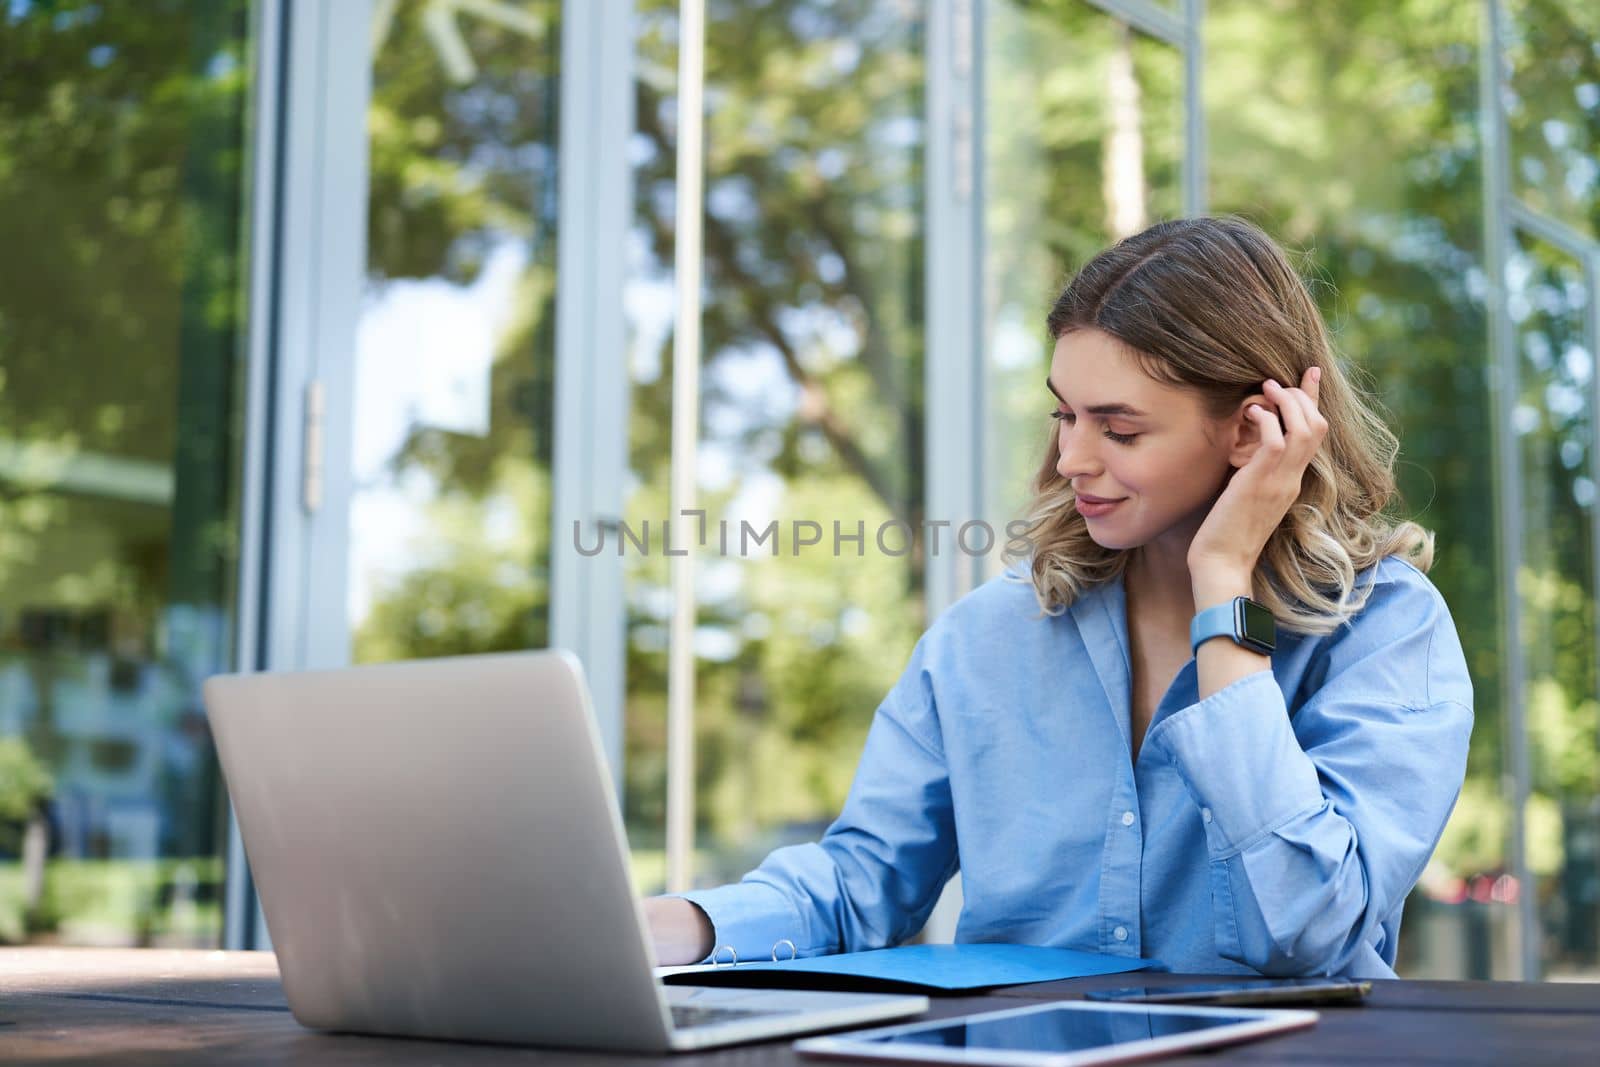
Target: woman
(1145,768)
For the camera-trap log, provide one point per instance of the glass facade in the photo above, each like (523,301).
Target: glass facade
(455,355)
(1431,165)
(811,406)
(649,296)
(1083,121)
(1554,425)
(1377,184)
(1552,109)
(811,413)
(123,134)
(1547,78)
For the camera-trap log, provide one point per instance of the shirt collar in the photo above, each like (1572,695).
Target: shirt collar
(1102,618)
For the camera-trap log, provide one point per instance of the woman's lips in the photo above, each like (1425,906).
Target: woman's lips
(1093,507)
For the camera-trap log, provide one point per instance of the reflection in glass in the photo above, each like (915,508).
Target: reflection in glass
(450,510)
(122,163)
(811,408)
(1552,108)
(1083,145)
(648,304)
(1553,422)
(1370,167)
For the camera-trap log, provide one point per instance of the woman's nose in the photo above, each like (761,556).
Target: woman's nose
(1077,457)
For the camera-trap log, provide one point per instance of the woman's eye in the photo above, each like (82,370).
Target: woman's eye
(1069,418)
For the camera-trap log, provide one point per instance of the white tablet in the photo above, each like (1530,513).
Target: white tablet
(1060,1035)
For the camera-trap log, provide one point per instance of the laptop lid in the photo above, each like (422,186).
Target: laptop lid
(439,852)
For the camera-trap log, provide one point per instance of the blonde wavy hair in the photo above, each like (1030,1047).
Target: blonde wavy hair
(1213,305)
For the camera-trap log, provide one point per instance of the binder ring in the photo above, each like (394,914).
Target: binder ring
(793,952)
(716,960)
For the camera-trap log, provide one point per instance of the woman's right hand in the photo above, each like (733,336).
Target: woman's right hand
(680,931)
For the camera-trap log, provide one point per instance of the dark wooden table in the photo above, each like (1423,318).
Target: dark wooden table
(135,1006)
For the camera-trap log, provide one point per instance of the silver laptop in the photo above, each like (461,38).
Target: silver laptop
(439,853)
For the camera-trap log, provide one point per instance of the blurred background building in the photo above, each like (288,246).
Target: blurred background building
(339,330)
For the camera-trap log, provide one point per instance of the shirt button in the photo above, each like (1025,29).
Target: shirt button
(1127,818)
(1120,933)
(1205,813)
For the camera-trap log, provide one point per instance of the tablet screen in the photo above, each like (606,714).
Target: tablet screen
(1058,1035)
(1060,1031)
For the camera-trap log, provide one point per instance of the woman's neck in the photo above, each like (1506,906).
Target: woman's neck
(1157,579)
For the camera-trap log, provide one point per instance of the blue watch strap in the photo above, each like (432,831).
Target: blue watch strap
(1215,621)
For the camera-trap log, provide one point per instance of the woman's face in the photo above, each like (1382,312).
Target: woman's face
(1143,457)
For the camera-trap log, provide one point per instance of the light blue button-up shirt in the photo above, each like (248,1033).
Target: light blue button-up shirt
(1274,827)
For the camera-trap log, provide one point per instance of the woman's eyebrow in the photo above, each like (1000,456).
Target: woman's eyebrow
(1100,409)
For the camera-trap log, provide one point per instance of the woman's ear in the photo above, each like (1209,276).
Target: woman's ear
(1245,435)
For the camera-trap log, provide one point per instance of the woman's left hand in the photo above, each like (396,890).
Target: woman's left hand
(1224,551)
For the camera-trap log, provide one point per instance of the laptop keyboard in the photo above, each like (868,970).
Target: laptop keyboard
(686,1015)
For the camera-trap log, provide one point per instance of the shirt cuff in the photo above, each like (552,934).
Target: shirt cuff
(1237,752)
(753,918)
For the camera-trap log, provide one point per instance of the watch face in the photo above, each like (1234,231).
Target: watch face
(1256,625)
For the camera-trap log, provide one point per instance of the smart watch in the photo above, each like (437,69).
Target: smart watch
(1249,625)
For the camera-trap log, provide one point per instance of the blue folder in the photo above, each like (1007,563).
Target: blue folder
(920,968)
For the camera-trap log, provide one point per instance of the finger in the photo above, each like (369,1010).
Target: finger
(1311,383)
(1306,439)
(1316,423)
(1289,409)
(1315,420)
(1268,400)
(1267,425)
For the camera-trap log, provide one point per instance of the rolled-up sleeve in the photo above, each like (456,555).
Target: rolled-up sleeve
(1319,823)
(877,872)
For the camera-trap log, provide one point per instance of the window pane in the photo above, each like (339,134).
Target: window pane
(122,169)
(1553,108)
(649,302)
(1352,135)
(1553,422)
(811,410)
(1083,145)
(450,510)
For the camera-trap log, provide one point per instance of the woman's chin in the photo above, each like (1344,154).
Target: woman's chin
(1109,542)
